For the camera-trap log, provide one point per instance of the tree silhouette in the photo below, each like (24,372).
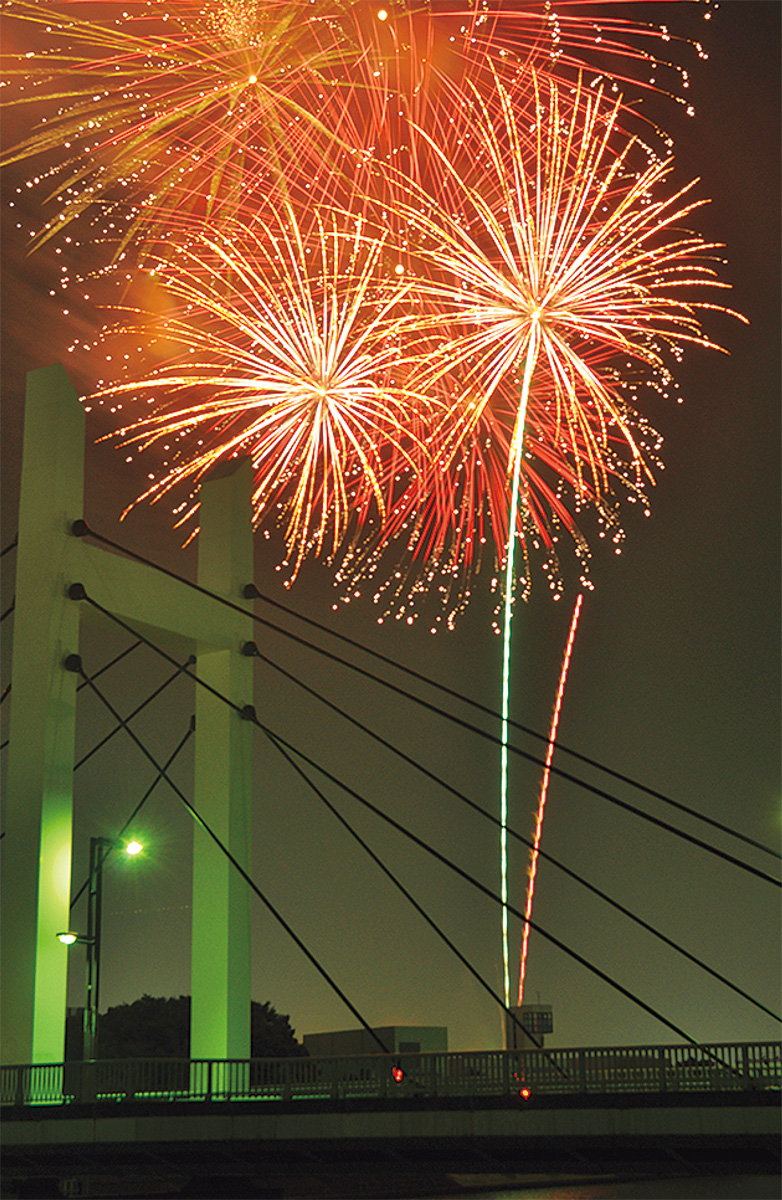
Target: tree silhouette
(156,1027)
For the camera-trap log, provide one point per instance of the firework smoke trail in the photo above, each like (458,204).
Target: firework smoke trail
(529,365)
(552,738)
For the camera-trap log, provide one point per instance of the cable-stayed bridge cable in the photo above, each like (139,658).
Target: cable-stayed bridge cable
(482,887)
(247,712)
(517,836)
(81,529)
(77,592)
(189,661)
(160,775)
(76,665)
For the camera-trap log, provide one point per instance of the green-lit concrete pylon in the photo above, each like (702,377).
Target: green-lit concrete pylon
(220,1013)
(36,875)
(36,866)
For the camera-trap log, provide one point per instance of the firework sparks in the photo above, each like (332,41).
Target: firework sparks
(452,519)
(419,66)
(289,355)
(560,43)
(164,111)
(151,111)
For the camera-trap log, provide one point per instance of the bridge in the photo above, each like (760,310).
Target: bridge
(674,1108)
(82,1128)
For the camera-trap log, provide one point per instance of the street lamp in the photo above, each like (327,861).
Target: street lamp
(68,937)
(99,849)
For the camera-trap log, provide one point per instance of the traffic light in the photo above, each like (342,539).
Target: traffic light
(397,1073)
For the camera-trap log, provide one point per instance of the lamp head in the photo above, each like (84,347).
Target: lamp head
(69,936)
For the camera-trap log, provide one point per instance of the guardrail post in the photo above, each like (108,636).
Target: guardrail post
(582,1079)
(88,1082)
(434,1075)
(661,1065)
(242,1079)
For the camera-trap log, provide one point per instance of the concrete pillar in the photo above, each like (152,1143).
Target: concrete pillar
(220,1018)
(36,849)
(36,868)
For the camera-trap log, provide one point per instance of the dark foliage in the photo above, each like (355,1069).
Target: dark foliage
(155,1027)
(271,1034)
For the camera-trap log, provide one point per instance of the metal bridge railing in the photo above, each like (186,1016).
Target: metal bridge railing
(734,1066)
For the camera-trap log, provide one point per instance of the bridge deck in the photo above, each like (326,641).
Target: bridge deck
(413,1145)
(312,1127)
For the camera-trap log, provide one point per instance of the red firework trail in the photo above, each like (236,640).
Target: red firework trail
(552,738)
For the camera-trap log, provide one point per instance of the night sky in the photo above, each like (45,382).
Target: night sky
(674,682)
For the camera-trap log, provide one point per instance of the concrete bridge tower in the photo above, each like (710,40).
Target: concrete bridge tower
(36,874)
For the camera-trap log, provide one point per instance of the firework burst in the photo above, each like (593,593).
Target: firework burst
(576,254)
(547,288)
(288,353)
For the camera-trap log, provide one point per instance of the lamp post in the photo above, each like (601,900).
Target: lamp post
(99,849)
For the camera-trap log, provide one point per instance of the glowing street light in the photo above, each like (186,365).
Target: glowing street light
(69,938)
(99,850)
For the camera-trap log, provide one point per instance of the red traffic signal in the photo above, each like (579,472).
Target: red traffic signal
(398,1074)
